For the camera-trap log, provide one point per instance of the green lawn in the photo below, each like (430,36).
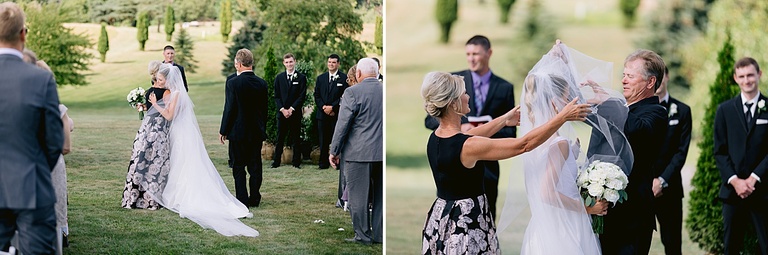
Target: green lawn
(413,50)
(105,127)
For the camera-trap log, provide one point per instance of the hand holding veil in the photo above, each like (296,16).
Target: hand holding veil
(550,170)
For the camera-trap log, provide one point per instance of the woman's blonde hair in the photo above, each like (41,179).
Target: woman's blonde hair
(441,90)
(351,79)
(153,67)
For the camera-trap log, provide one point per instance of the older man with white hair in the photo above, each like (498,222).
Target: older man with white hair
(358,139)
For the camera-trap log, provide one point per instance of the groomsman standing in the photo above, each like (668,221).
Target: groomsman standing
(328,90)
(169,53)
(358,140)
(668,185)
(244,124)
(290,92)
(489,95)
(32,139)
(741,154)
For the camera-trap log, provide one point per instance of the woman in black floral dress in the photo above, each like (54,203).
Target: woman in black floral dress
(149,159)
(459,221)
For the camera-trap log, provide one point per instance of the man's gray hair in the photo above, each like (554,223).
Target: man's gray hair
(368,67)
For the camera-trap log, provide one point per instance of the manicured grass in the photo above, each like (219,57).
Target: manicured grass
(413,50)
(105,127)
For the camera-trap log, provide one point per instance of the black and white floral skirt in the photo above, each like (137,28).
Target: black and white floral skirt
(148,168)
(462,226)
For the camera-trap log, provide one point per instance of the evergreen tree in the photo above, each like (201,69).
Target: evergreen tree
(248,37)
(184,48)
(62,49)
(271,69)
(225,17)
(142,29)
(170,22)
(705,218)
(103,42)
(538,34)
(629,10)
(308,121)
(379,35)
(505,6)
(447,12)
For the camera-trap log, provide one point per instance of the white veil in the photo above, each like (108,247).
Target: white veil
(195,189)
(559,223)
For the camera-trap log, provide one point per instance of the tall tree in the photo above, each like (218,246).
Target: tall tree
(314,29)
(184,48)
(271,69)
(629,10)
(142,29)
(446,13)
(705,217)
(505,6)
(103,42)
(536,36)
(225,18)
(379,35)
(170,23)
(62,49)
(248,37)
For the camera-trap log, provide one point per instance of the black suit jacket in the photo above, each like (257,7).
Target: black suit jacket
(500,99)
(245,108)
(327,93)
(675,149)
(183,75)
(646,129)
(290,93)
(740,148)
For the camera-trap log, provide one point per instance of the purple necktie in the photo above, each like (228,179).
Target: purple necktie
(479,97)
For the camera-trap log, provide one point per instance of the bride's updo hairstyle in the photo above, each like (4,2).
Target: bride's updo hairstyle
(440,91)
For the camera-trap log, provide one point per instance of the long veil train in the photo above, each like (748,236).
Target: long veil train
(194,188)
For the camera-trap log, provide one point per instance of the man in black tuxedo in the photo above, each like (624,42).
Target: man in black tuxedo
(668,184)
(169,53)
(741,154)
(290,92)
(32,140)
(489,95)
(328,90)
(378,63)
(244,124)
(629,225)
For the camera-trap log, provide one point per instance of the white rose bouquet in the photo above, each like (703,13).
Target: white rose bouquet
(602,180)
(136,100)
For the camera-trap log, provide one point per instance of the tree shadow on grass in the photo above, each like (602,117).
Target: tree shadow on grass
(418,161)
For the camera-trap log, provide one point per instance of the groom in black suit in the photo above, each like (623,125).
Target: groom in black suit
(290,92)
(328,90)
(489,95)
(741,154)
(629,226)
(668,184)
(244,124)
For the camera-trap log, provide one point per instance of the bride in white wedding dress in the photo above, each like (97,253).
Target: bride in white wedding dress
(560,222)
(194,188)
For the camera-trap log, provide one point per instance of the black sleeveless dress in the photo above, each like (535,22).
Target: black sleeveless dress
(459,221)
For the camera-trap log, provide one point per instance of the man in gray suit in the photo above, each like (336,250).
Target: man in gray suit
(32,135)
(358,139)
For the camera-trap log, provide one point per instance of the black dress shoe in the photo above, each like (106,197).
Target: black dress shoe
(355,240)
(323,167)
(275,165)
(297,166)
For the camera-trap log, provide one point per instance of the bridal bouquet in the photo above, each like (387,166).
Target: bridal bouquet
(135,99)
(602,180)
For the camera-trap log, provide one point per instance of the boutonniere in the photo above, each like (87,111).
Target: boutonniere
(761,106)
(672,109)
(334,77)
(293,76)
